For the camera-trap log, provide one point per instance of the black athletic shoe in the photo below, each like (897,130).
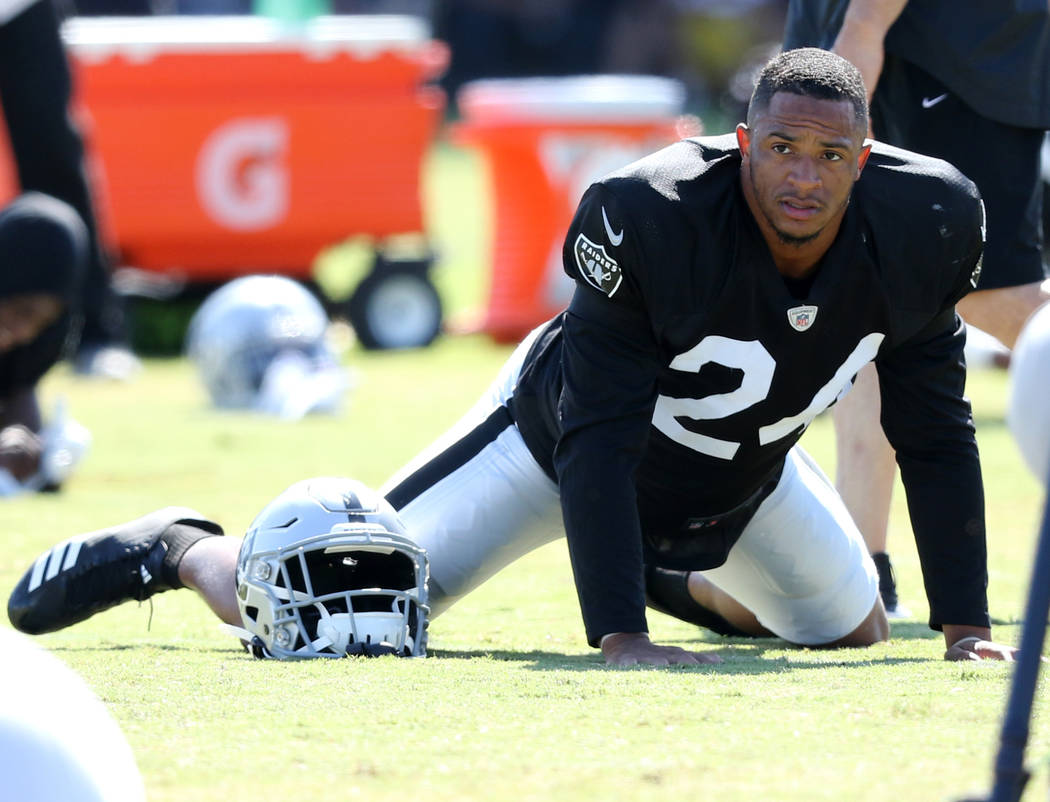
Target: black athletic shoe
(89,573)
(888,586)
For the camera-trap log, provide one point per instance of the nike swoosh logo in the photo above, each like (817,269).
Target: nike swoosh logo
(930,102)
(614,239)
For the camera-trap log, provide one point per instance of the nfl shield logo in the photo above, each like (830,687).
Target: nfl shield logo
(802,317)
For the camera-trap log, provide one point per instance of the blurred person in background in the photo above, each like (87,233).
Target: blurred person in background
(111,8)
(211,7)
(505,39)
(968,83)
(35,91)
(43,254)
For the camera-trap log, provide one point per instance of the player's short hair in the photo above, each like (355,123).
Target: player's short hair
(811,72)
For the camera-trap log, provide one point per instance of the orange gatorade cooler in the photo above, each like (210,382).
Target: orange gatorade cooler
(546,140)
(8,178)
(235,145)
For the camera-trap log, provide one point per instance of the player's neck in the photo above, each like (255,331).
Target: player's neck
(798,260)
(793,258)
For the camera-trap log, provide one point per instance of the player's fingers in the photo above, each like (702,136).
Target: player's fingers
(634,659)
(683,658)
(1006,655)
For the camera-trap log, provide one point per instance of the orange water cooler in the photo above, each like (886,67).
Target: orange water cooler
(545,140)
(232,145)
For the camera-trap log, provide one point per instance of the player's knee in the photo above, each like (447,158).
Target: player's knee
(875,628)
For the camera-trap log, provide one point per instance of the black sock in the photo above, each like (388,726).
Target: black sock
(179,537)
(668,592)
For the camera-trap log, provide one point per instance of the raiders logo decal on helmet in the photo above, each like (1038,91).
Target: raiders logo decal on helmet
(596,266)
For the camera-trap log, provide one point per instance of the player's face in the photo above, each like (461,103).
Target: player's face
(23,317)
(801,157)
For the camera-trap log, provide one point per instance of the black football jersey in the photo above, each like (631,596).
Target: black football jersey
(686,366)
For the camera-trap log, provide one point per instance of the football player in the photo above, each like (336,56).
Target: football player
(728,290)
(43,253)
(47,149)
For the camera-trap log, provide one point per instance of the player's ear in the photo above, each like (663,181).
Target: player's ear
(743,139)
(862,159)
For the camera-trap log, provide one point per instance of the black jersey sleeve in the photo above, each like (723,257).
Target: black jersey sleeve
(926,223)
(610,364)
(933,256)
(928,421)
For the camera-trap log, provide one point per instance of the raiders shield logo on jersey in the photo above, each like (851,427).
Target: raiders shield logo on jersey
(596,266)
(802,317)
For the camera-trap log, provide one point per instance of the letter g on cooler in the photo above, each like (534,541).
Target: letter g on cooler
(242,175)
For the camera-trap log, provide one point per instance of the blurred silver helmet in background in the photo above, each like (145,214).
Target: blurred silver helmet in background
(259,343)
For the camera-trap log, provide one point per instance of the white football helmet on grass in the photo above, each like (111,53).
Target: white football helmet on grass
(259,343)
(327,570)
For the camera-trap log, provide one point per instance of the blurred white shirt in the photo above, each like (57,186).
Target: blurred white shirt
(58,742)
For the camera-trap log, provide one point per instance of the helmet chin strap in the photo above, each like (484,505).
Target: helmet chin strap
(237,632)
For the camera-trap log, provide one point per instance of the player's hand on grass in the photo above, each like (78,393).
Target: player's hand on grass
(20,451)
(635,648)
(975,648)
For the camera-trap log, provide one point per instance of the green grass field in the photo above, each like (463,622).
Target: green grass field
(512,704)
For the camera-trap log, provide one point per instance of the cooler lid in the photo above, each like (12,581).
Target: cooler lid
(585,98)
(141,38)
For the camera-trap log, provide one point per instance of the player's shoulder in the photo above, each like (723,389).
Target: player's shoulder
(697,166)
(926,222)
(900,183)
(670,195)
(641,223)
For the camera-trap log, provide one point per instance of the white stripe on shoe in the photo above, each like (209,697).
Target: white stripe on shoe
(38,571)
(53,560)
(56,561)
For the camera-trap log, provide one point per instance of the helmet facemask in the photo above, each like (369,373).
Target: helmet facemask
(328,570)
(335,595)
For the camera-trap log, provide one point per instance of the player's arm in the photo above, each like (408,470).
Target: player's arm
(860,39)
(606,410)
(928,421)
(610,364)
